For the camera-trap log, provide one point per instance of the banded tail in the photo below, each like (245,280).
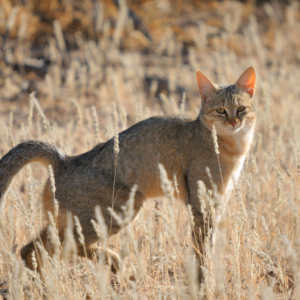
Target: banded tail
(23,154)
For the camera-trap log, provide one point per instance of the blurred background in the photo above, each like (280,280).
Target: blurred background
(100,66)
(139,54)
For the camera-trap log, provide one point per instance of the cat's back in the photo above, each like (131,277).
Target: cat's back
(157,139)
(156,128)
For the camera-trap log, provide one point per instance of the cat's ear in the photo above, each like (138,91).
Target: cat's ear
(206,87)
(247,81)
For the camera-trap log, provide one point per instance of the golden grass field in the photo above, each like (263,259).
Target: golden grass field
(95,70)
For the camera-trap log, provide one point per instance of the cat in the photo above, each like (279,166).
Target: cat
(183,146)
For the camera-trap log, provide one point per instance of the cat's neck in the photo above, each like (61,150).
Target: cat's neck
(237,144)
(233,150)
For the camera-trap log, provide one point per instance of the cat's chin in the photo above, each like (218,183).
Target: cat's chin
(228,129)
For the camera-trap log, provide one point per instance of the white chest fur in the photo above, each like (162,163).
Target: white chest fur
(242,140)
(235,173)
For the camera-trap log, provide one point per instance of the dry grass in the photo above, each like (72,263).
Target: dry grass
(117,77)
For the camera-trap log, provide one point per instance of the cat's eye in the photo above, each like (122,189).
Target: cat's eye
(221,110)
(241,108)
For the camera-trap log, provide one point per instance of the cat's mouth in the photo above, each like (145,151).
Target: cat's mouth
(229,129)
(234,127)
(233,124)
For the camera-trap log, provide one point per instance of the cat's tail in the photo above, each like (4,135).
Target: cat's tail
(23,154)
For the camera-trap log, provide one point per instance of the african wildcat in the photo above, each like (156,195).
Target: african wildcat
(185,148)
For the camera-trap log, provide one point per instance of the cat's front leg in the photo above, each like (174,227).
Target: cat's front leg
(202,228)
(204,219)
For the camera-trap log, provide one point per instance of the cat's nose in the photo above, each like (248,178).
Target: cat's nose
(232,122)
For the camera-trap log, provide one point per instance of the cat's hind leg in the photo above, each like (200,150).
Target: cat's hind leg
(103,198)
(93,251)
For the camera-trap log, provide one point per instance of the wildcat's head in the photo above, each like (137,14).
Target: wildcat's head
(228,107)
